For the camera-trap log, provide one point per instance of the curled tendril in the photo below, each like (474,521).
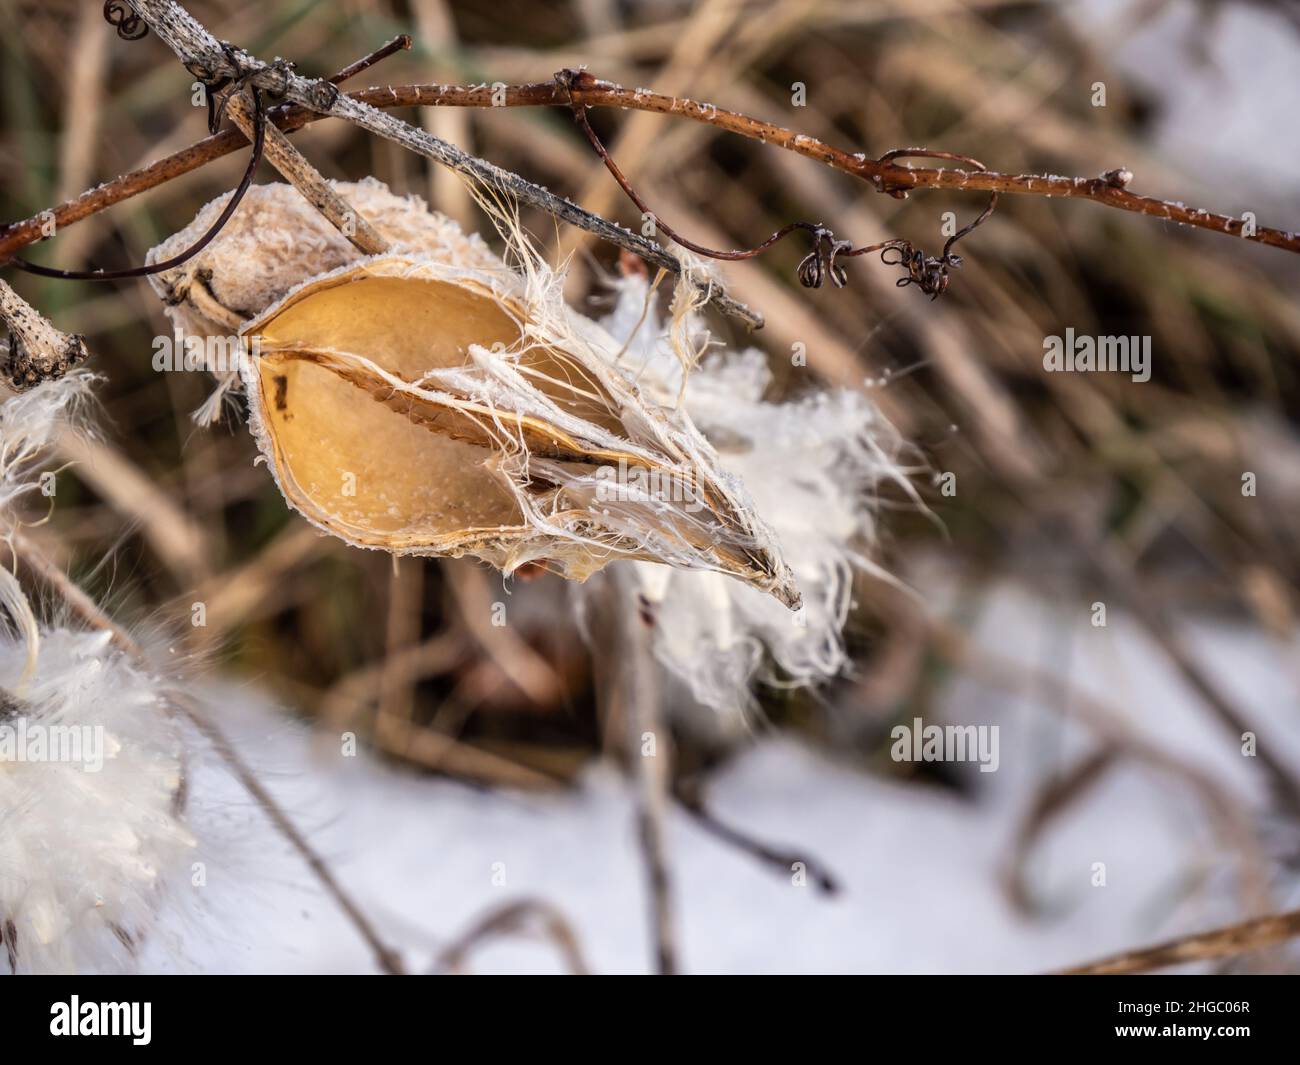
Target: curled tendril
(820,263)
(929,273)
(130,26)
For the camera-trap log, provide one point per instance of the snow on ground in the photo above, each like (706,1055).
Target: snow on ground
(920,866)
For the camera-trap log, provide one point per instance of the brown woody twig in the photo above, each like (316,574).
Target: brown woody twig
(1110,189)
(1205,946)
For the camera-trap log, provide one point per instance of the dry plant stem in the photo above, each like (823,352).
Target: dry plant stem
(387,959)
(199,50)
(286,117)
(514,917)
(1222,942)
(1120,580)
(304,177)
(176,538)
(37,350)
(886,177)
(1051,801)
(527,670)
(83,605)
(402,631)
(652,772)
(605,94)
(401,43)
(778,859)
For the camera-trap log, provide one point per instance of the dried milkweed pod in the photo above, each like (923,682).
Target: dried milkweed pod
(277,240)
(540,450)
(428,407)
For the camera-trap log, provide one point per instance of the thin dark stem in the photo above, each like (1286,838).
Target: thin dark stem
(259,142)
(783,860)
(400,43)
(929,273)
(580,117)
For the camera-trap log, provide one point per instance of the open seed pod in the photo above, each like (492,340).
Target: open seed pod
(273,243)
(276,240)
(415,406)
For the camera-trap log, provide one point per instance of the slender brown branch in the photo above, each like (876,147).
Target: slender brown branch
(1204,946)
(650,754)
(213,61)
(517,917)
(295,169)
(401,43)
(1107,190)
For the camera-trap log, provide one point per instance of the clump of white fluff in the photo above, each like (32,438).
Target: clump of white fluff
(85,855)
(30,424)
(91,766)
(812,467)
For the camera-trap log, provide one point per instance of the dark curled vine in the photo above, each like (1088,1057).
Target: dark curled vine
(129,25)
(929,273)
(259,140)
(219,89)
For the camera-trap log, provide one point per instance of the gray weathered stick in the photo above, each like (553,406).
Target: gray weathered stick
(203,56)
(38,351)
(304,177)
(650,767)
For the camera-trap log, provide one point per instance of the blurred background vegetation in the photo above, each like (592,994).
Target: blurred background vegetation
(1062,479)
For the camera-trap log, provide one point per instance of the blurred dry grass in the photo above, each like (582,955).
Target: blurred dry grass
(403,653)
